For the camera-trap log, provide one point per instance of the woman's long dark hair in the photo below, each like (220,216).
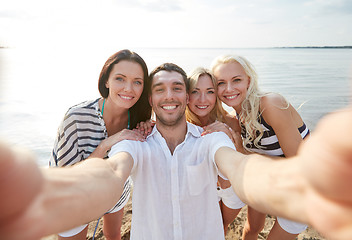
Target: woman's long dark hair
(141,111)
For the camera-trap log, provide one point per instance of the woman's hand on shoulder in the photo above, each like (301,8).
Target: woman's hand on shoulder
(127,134)
(145,128)
(107,143)
(216,127)
(235,136)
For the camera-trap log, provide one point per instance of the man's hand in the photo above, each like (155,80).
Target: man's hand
(326,159)
(20,183)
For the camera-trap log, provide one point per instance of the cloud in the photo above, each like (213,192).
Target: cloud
(163,6)
(10,14)
(173,23)
(340,7)
(152,5)
(330,7)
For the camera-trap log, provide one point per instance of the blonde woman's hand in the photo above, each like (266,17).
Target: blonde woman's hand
(223,127)
(216,127)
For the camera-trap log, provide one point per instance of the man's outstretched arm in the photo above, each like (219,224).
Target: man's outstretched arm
(313,187)
(264,183)
(38,202)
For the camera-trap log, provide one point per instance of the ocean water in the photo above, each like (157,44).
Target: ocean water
(37,86)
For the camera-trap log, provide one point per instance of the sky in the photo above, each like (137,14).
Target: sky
(175,23)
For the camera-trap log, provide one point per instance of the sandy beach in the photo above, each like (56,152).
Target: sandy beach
(234,233)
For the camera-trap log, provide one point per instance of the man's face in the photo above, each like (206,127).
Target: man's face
(169,97)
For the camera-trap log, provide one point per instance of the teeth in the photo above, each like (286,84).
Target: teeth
(169,107)
(231,97)
(202,107)
(126,97)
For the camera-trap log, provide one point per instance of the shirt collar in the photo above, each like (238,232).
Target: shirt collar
(196,131)
(192,129)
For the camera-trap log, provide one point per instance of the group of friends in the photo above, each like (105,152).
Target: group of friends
(193,167)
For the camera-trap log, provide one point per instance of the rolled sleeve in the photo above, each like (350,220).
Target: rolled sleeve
(219,140)
(125,146)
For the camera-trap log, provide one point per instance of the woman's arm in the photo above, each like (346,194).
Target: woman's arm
(235,129)
(142,130)
(107,143)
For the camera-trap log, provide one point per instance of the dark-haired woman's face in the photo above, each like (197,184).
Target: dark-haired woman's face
(125,83)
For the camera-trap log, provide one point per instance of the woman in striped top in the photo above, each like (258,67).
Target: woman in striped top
(91,128)
(270,125)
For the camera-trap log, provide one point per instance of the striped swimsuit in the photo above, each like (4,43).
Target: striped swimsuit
(269,142)
(79,134)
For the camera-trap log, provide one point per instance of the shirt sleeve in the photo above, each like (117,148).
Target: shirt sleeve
(66,150)
(218,140)
(125,146)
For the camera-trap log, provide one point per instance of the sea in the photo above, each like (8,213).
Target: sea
(37,86)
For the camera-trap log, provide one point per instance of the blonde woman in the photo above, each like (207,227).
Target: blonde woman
(204,109)
(270,126)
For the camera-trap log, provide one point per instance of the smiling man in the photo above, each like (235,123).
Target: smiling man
(168,97)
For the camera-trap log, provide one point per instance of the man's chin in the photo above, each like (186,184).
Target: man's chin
(170,121)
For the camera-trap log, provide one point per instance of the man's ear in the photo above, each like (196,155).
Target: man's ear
(187,98)
(150,101)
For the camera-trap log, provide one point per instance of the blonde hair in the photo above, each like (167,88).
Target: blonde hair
(250,114)
(218,112)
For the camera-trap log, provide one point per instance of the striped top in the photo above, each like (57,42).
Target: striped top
(79,134)
(269,143)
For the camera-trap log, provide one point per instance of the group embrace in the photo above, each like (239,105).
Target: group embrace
(193,165)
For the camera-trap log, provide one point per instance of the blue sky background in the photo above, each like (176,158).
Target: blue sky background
(175,23)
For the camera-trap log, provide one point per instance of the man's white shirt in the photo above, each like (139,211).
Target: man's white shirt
(174,195)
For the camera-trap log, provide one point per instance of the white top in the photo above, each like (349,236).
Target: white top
(174,196)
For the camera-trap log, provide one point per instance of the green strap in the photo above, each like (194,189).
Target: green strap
(102,109)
